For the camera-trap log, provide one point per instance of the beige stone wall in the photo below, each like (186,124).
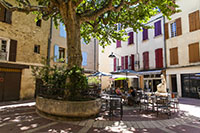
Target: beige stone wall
(24,30)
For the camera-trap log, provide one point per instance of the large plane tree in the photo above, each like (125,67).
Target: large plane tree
(93,18)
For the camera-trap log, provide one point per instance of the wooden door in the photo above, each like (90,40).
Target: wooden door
(1,85)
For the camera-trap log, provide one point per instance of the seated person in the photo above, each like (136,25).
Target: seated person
(118,91)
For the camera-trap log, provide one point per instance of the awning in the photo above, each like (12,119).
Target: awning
(124,76)
(150,72)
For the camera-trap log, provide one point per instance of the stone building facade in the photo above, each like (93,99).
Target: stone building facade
(23,43)
(183,49)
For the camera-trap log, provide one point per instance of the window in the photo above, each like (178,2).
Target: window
(157,26)
(63,30)
(118,43)
(39,23)
(37,49)
(159,58)
(5,15)
(173,56)
(145,34)
(146,60)
(173,29)
(3,50)
(130,39)
(176,28)
(61,53)
(194,21)
(194,53)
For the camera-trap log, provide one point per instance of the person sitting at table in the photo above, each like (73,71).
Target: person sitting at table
(118,91)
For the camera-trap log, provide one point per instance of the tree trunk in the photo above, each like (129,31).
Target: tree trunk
(73,43)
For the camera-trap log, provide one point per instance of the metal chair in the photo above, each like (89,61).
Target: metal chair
(115,106)
(163,104)
(174,101)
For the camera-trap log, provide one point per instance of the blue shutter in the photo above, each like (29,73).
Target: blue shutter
(62,30)
(84,56)
(83,41)
(56,53)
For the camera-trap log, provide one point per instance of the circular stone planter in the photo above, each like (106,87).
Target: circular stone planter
(71,109)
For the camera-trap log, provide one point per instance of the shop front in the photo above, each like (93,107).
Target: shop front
(190,85)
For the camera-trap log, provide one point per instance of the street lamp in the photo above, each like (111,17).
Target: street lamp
(112,55)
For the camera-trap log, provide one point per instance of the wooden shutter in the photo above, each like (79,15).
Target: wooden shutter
(157,26)
(126,62)
(115,64)
(166,31)
(13,50)
(197,20)
(130,39)
(2,13)
(122,62)
(8,17)
(118,43)
(145,34)
(194,53)
(173,56)
(147,60)
(56,53)
(132,62)
(178,27)
(159,58)
(194,21)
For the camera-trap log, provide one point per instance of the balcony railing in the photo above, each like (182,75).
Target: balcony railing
(3,55)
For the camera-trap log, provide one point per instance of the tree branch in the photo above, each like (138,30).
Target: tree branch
(27,7)
(108,7)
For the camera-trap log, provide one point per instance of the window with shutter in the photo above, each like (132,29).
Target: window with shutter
(118,43)
(13,50)
(130,39)
(132,62)
(145,34)
(157,26)
(173,56)
(122,62)
(56,53)
(126,62)
(5,15)
(166,31)
(159,58)
(115,64)
(194,21)
(194,53)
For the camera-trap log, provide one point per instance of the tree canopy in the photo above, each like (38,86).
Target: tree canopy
(97,18)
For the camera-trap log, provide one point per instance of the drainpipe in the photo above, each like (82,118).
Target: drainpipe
(165,53)
(95,54)
(49,43)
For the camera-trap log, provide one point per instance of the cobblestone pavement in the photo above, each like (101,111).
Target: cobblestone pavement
(18,117)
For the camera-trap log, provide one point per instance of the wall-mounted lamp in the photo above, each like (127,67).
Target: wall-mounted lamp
(112,55)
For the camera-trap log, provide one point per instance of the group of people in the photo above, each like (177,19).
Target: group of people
(129,97)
